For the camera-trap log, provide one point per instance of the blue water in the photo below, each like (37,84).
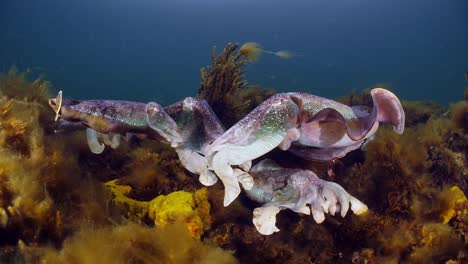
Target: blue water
(153,49)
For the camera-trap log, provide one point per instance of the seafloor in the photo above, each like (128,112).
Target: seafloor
(60,203)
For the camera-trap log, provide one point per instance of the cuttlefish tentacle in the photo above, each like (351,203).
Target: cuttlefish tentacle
(258,133)
(198,126)
(93,141)
(161,122)
(302,191)
(96,147)
(56,104)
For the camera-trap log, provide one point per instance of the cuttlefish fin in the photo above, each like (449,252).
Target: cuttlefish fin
(265,165)
(388,109)
(323,154)
(58,104)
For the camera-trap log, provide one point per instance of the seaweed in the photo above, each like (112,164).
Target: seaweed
(61,203)
(224,87)
(14,84)
(459,115)
(416,196)
(52,191)
(133,243)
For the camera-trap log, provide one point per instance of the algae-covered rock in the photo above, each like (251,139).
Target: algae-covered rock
(190,208)
(134,209)
(451,198)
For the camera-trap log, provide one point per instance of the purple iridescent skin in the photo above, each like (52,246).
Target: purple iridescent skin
(105,116)
(278,188)
(309,126)
(198,126)
(189,126)
(107,120)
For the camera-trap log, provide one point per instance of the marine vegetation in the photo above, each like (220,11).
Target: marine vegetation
(54,203)
(143,202)
(225,89)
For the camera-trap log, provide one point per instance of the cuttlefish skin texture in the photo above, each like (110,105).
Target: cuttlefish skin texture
(198,126)
(309,126)
(302,191)
(107,116)
(188,125)
(105,120)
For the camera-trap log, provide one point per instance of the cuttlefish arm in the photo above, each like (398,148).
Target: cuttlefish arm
(56,104)
(329,130)
(302,191)
(258,133)
(197,126)
(162,123)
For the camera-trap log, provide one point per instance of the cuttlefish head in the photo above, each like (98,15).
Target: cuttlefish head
(63,108)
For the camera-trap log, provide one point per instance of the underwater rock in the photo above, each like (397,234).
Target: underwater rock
(136,210)
(459,221)
(451,198)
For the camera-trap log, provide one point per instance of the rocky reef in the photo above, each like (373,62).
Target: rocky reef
(137,204)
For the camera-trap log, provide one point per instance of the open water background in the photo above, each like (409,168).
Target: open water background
(153,49)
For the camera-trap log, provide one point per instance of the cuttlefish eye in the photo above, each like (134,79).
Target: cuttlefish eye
(153,108)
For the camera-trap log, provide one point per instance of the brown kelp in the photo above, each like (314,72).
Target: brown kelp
(408,184)
(61,203)
(52,191)
(224,87)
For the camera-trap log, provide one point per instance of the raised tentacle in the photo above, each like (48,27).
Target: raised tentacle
(56,104)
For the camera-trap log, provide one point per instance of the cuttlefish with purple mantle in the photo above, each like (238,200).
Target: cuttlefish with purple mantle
(278,188)
(109,120)
(309,126)
(189,126)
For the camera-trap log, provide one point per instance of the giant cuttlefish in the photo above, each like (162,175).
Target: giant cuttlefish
(306,125)
(278,188)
